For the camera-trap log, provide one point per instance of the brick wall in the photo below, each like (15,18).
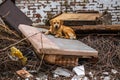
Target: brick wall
(40,10)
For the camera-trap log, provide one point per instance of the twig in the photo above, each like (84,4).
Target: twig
(2,21)
(6,14)
(6,28)
(42,52)
(7,38)
(17,42)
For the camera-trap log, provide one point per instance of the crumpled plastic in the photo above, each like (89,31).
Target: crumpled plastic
(16,54)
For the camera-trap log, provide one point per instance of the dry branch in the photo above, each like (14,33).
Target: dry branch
(7,66)
(1,21)
(108,48)
(5,28)
(17,42)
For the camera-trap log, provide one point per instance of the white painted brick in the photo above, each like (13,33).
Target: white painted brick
(114,11)
(55,5)
(118,14)
(113,19)
(78,7)
(77,0)
(115,22)
(90,1)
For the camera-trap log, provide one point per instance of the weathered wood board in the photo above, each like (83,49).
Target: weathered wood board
(99,27)
(51,45)
(78,16)
(78,19)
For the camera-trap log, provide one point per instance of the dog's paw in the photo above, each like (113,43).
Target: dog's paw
(62,36)
(46,33)
(73,37)
(56,36)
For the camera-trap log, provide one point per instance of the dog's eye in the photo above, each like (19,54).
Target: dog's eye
(54,22)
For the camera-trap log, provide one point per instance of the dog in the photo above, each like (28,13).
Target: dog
(60,31)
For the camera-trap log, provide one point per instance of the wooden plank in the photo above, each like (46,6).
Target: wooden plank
(78,19)
(99,27)
(24,74)
(39,40)
(78,16)
(51,45)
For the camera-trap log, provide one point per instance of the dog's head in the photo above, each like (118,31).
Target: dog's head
(56,25)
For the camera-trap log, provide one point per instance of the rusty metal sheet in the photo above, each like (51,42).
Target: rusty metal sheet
(12,15)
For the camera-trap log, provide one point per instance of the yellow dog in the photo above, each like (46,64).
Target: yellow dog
(59,30)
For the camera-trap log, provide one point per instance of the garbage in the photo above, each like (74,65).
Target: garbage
(91,74)
(75,77)
(55,75)
(79,70)
(1,21)
(102,44)
(105,77)
(114,71)
(85,78)
(17,55)
(32,71)
(63,72)
(41,76)
(62,60)
(24,74)
(105,73)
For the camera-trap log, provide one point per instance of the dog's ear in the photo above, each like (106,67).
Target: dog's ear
(51,22)
(61,22)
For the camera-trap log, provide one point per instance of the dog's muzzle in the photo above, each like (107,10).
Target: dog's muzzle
(56,27)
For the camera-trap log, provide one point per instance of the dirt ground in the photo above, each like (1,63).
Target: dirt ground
(107,46)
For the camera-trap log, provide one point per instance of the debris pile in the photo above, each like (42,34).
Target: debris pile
(8,67)
(107,67)
(108,48)
(109,56)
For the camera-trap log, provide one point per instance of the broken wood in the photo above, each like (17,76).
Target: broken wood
(78,16)
(24,74)
(52,45)
(68,61)
(1,21)
(99,27)
(78,19)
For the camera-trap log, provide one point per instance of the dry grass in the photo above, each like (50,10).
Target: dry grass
(109,54)
(7,66)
